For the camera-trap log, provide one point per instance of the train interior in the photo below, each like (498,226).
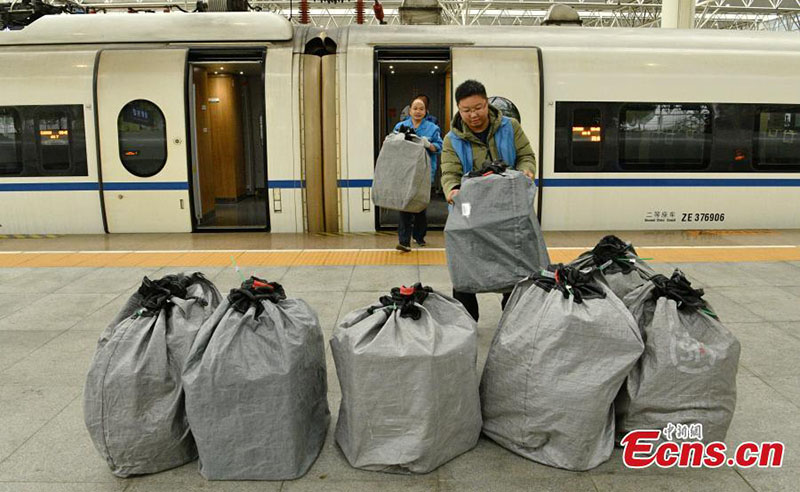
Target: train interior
(401,75)
(228,149)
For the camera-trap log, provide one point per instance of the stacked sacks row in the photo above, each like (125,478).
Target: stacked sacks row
(573,364)
(240,382)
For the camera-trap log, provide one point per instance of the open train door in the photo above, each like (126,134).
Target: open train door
(141,108)
(512,73)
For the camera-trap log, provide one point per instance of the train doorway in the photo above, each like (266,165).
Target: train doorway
(400,75)
(226,103)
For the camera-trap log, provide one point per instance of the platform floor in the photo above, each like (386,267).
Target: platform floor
(51,317)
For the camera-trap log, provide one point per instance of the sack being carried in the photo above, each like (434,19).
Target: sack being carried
(406,366)
(402,178)
(133,398)
(562,351)
(688,371)
(616,264)
(492,236)
(256,387)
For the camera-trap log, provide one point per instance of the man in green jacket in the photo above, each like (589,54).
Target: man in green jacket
(480,134)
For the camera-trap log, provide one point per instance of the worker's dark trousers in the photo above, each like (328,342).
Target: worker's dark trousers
(470,302)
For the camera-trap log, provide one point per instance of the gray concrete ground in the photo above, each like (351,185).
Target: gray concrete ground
(50,319)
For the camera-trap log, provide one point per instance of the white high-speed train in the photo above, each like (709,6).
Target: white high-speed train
(191,122)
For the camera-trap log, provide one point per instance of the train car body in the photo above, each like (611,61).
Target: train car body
(124,90)
(118,123)
(635,129)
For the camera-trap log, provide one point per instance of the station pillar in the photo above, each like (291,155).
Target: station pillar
(678,13)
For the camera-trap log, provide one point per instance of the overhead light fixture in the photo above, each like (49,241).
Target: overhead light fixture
(436,67)
(216,73)
(391,67)
(222,68)
(241,73)
(433,71)
(392,71)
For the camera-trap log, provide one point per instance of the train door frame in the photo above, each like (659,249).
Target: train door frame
(383,54)
(110,178)
(250,54)
(540,157)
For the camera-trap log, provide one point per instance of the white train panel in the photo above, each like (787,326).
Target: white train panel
(283,141)
(50,212)
(512,73)
(141,94)
(613,201)
(357,140)
(600,207)
(579,65)
(651,75)
(45,204)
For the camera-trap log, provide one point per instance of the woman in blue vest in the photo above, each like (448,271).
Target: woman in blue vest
(416,224)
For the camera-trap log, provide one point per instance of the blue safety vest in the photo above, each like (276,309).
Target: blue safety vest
(503,139)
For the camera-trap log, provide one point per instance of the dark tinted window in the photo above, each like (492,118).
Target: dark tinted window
(142,138)
(42,141)
(664,135)
(586,137)
(10,142)
(53,131)
(777,137)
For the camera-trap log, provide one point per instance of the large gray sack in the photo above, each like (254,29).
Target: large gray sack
(410,398)
(557,361)
(133,398)
(688,371)
(402,178)
(492,235)
(616,264)
(256,387)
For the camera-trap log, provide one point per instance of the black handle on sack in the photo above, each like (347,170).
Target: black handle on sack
(616,251)
(496,167)
(679,289)
(409,132)
(570,281)
(252,292)
(157,293)
(406,299)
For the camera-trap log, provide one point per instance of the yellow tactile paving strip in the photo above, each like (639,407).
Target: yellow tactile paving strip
(329,257)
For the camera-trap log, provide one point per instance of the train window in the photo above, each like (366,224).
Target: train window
(142,133)
(586,137)
(10,142)
(777,138)
(53,138)
(665,136)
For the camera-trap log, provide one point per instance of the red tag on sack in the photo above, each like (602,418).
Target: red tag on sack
(407,291)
